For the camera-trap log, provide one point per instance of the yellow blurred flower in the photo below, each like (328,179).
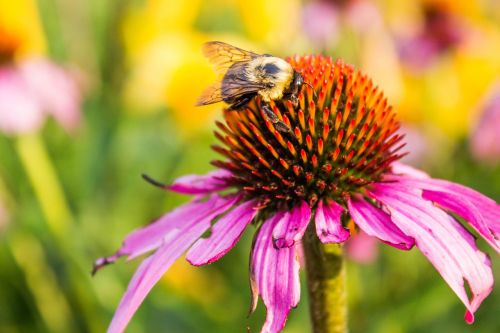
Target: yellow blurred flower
(144,23)
(21,19)
(447,95)
(166,66)
(275,22)
(204,287)
(171,71)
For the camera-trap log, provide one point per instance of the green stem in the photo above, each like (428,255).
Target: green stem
(325,268)
(51,302)
(43,178)
(60,221)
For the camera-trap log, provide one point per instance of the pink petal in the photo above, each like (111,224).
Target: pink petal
(20,112)
(201,184)
(225,233)
(329,224)
(275,276)
(481,212)
(150,271)
(292,226)
(462,207)
(447,245)
(153,236)
(55,90)
(376,223)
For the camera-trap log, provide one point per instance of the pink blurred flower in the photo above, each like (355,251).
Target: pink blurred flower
(31,89)
(322,19)
(416,143)
(320,22)
(340,165)
(362,248)
(4,216)
(485,140)
(363,15)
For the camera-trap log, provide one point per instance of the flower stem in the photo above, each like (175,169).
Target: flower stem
(325,268)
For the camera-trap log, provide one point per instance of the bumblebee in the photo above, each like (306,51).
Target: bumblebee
(244,75)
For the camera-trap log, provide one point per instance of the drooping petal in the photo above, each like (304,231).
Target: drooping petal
(292,226)
(329,224)
(152,236)
(376,223)
(462,207)
(481,212)
(201,184)
(447,245)
(225,233)
(55,90)
(19,112)
(275,275)
(150,271)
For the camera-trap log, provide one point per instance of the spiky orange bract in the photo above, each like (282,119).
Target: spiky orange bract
(343,138)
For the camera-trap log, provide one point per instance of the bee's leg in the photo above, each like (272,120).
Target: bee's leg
(241,101)
(272,117)
(292,98)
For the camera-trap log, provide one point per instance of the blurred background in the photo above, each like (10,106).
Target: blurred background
(94,93)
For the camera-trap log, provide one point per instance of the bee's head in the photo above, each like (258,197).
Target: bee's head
(298,81)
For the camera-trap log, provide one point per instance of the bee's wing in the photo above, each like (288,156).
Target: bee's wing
(210,95)
(223,55)
(228,87)
(227,92)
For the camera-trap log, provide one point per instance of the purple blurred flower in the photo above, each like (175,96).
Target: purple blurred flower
(30,89)
(440,32)
(338,164)
(486,135)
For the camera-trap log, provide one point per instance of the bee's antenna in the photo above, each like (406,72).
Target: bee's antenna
(154,182)
(312,87)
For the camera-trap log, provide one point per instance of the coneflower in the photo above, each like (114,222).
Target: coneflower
(338,164)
